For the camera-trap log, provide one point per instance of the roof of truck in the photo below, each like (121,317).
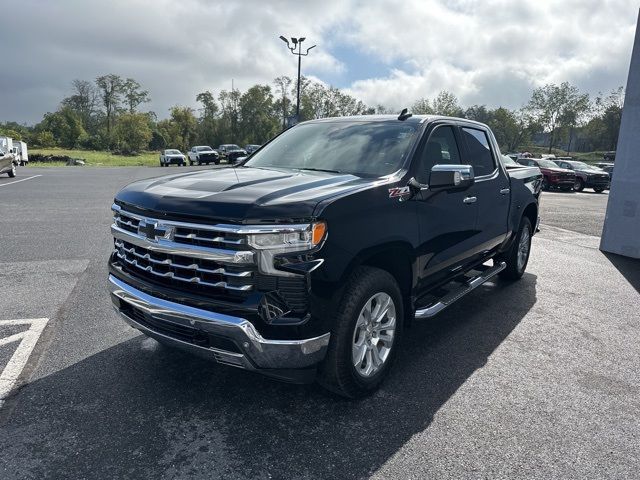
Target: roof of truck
(394,118)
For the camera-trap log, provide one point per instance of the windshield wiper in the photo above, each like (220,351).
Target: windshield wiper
(320,170)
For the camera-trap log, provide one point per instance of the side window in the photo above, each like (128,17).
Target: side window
(441,148)
(481,156)
(531,163)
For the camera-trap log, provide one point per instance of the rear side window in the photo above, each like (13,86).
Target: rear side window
(479,150)
(441,149)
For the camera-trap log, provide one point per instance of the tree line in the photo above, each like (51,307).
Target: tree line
(107,114)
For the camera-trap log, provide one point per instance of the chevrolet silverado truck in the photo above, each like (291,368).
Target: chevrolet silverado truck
(203,154)
(309,259)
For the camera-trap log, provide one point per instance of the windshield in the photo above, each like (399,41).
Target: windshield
(581,166)
(203,149)
(547,163)
(172,152)
(231,147)
(358,148)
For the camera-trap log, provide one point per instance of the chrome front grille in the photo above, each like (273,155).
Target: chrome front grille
(210,259)
(174,270)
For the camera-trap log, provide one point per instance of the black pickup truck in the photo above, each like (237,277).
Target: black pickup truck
(309,259)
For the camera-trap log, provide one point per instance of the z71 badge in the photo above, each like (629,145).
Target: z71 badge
(399,192)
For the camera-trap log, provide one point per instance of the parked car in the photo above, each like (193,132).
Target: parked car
(554,176)
(587,176)
(22,155)
(7,164)
(172,156)
(309,260)
(609,156)
(203,154)
(607,167)
(251,148)
(231,152)
(508,161)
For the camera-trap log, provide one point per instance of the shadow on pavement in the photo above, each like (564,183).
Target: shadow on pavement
(628,267)
(141,410)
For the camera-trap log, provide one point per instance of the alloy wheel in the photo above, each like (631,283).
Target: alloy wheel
(373,335)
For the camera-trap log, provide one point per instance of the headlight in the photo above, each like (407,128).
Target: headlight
(296,238)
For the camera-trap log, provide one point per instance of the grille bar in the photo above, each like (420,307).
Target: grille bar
(185,270)
(168,262)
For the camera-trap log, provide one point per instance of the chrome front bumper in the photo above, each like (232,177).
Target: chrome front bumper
(257,353)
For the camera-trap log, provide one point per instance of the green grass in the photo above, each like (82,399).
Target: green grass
(97,158)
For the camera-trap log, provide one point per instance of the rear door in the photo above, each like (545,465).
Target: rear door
(491,189)
(446,219)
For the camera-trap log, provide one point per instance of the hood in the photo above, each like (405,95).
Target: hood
(239,194)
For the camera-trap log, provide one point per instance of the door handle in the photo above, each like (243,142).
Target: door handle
(470,200)
(505,191)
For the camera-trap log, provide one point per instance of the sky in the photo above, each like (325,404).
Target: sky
(387,52)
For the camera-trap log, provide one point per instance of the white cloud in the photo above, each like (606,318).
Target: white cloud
(493,51)
(490,52)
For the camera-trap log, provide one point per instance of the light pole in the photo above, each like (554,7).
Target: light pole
(297,44)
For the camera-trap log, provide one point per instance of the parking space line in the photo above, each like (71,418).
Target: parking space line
(18,360)
(18,181)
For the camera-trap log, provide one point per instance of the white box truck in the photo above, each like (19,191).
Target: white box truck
(22,156)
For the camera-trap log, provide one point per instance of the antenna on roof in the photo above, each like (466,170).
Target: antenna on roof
(404,114)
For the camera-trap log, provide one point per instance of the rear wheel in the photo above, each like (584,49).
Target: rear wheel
(517,257)
(365,335)
(578,186)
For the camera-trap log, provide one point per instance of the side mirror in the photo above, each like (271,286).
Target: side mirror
(446,177)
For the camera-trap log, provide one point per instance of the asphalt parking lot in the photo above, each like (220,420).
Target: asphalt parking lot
(538,378)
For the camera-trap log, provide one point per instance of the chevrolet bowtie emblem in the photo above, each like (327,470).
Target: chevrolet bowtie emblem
(155,231)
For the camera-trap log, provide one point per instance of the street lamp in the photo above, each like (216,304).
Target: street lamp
(297,44)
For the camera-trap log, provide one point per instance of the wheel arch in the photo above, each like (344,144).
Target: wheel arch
(396,258)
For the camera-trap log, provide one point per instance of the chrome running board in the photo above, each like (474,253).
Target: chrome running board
(458,293)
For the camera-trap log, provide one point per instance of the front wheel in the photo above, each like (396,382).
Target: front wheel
(12,172)
(365,335)
(579,185)
(517,257)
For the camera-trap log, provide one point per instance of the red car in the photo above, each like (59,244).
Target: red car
(554,176)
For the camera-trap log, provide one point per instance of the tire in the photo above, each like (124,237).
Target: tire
(598,190)
(12,172)
(190,163)
(545,184)
(516,266)
(367,286)
(579,185)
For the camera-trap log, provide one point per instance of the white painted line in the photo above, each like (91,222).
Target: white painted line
(18,360)
(18,181)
